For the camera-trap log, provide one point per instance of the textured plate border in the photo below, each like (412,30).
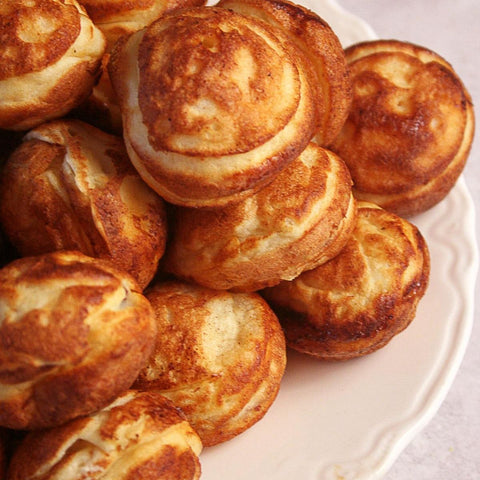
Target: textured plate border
(351,421)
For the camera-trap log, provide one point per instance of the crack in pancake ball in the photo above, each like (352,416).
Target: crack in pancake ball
(409,132)
(219,356)
(358,301)
(214,104)
(51,57)
(74,333)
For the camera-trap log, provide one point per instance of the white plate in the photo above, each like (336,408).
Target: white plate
(350,421)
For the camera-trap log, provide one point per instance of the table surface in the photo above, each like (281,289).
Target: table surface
(449,446)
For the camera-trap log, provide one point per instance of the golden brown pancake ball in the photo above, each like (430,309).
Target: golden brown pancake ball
(214,104)
(139,436)
(74,333)
(323,50)
(300,220)
(119,17)
(70,186)
(358,301)
(51,57)
(410,128)
(219,357)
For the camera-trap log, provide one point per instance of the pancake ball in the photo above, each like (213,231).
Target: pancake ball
(358,301)
(140,436)
(118,17)
(323,50)
(214,104)
(410,128)
(51,57)
(70,186)
(300,220)
(74,333)
(219,357)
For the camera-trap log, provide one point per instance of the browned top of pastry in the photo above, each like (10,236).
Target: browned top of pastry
(411,122)
(51,53)
(301,219)
(138,436)
(356,302)
(118,17)
(214,103)
(322,48)
(219,356)
(35,34)
(214,111)
(74,332)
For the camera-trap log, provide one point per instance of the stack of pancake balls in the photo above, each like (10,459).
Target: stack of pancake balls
(186,191)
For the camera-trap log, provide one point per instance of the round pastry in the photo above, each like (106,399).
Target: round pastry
(214,104)
(51,56)
(410,128)
(139,436)
(118,17)
(323,50)
(358,301)
(219,356)
(70,186)
(300,220)
(74,333)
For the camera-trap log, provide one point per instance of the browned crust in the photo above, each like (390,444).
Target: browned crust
(300,220)
(184,78)
(70,186)
(163,97)
(20,57)
(410,129)
(222,390)
(107,11)
(118,17)
(357,302)
(321,47)
(115,427)
(74,353)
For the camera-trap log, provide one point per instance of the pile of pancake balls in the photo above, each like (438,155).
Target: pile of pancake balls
(185,191)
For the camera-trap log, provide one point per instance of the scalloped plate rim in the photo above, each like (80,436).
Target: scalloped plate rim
(386,444)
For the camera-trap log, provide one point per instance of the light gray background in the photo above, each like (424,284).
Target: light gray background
(448,448)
